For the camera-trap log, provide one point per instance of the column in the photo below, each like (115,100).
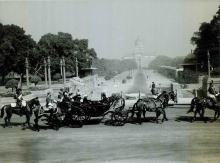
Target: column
(77,68)
(49,73)
(61,68)
(64,70)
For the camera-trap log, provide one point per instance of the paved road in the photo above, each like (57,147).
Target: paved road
(177,140)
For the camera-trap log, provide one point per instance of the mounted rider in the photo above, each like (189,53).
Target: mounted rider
(19,97)
(153,88)
(212,93)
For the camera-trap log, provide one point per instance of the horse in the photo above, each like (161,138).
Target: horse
(26,110)
(156,105)
(199,105)
(52,116)
(172,96)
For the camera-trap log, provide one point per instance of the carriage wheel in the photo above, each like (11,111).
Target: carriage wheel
(87,118)
(117,116)
(108,115)
(129,115)
(81,117)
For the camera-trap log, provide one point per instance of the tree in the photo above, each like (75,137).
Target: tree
(63,45)
(15,46)
(57,76)
(109,67)
(208,39)
(12,83)
(160,61)
(35,79)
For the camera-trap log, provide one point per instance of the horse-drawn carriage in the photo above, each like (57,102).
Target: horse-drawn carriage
(76,112)
(71,113)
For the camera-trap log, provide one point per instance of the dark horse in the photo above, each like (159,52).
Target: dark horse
(52,117)
(27,111)
(198,106)
(156,105)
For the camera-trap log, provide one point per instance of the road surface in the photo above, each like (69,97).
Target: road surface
(177,140)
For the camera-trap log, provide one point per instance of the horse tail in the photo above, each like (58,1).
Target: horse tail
(2,112)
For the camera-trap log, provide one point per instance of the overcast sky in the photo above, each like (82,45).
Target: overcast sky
(112,26)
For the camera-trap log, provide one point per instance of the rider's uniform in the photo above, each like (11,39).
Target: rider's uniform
(19,98)
(153,88)
(212,93)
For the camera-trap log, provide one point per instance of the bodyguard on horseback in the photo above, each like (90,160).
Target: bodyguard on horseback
(212,93)
(19,98)
(153,88)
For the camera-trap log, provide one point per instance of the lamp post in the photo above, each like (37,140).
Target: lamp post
(208,56)
(27,71)
(45,71)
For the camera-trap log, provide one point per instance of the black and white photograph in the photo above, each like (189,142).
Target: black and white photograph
(109,81)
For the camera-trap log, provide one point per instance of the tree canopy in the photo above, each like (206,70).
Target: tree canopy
(207,38)
(63,45)
(165,61)
(111,67)
(15,45)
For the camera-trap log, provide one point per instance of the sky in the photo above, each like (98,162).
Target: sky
(112,26)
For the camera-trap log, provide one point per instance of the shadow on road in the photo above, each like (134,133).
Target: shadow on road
(190,119)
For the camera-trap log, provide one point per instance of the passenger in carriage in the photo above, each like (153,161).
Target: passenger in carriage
(85,99)
(103,97)
(77,97)
(61,92)
(49,100)
(212,93)
(49,104)
(60,98)
(66,97)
